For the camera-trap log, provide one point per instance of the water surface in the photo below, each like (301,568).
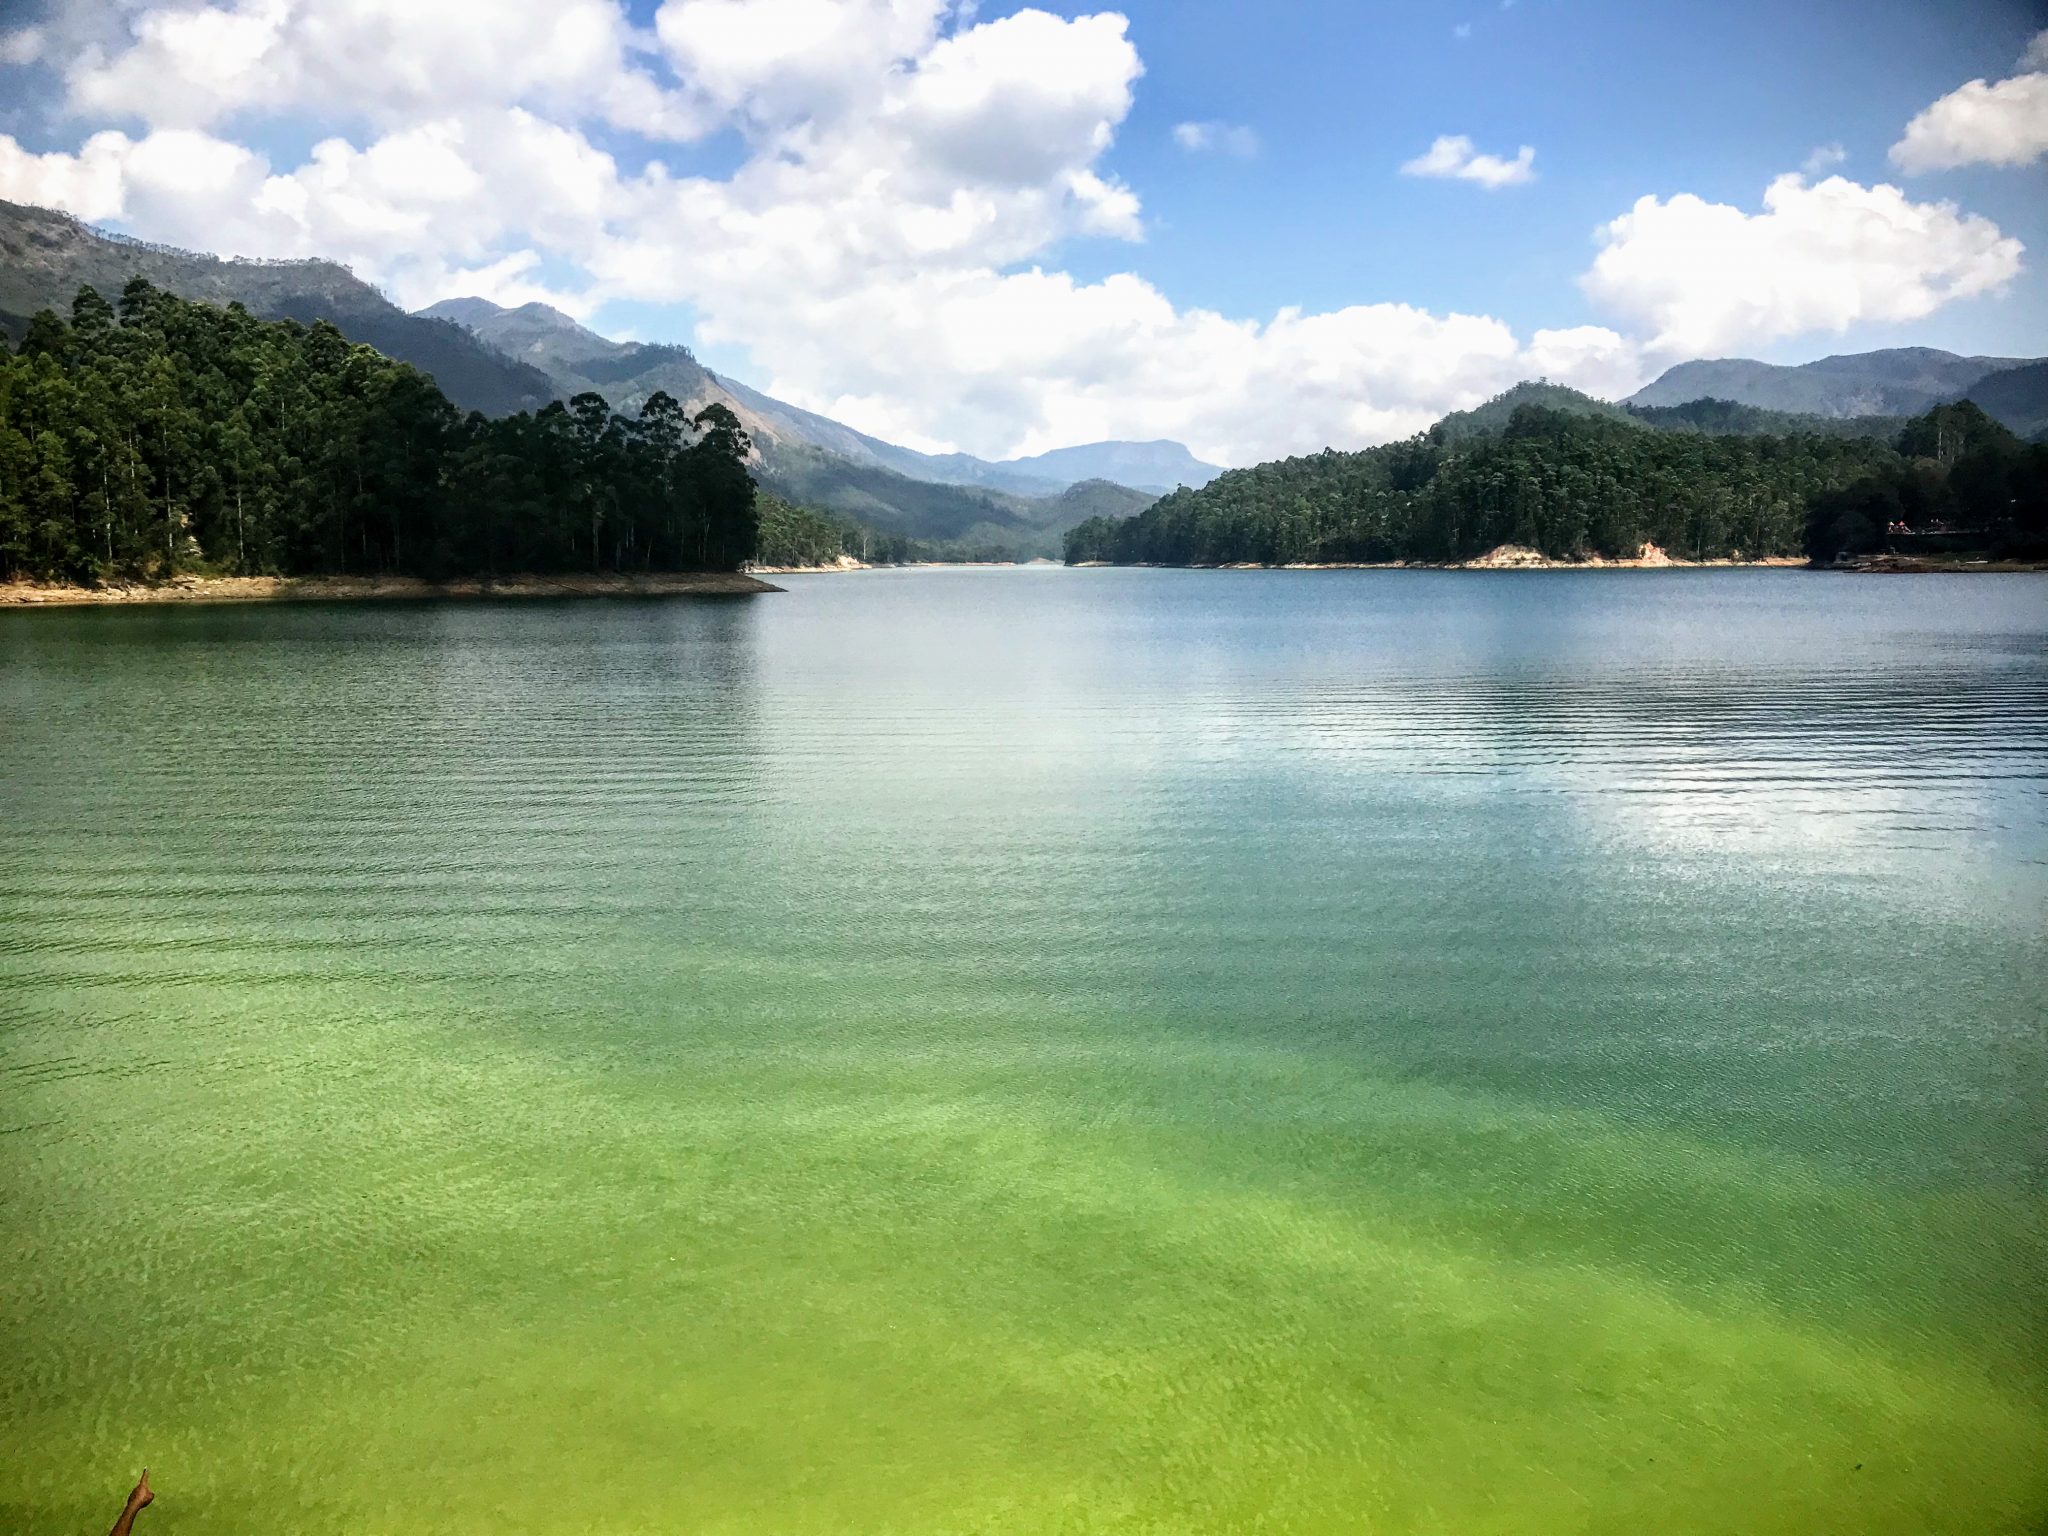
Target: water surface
(1033,1051)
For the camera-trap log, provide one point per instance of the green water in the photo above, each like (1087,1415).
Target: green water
(1033,1051)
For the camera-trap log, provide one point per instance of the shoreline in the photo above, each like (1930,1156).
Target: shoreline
(1923,565)
(1773,563)
(1887,565)
(848,563)
(330,589)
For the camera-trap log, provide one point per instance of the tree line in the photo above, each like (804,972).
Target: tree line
(1958,482)
(169,436)
(1573,485)
(797,535)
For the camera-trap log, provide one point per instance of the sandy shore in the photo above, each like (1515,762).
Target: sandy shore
(328,589)
(843,563)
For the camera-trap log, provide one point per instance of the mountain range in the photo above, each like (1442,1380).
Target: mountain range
(1899,381)
(626,372)
(46,257)
(499,360)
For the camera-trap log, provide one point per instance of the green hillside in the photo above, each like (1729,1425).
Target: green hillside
(1578,484)
(46,257)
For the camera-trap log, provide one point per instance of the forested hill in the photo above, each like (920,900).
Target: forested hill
(1492,418)
(46,257)
(1577,484)
(1723,418)
(175,436)
(2016,396)
(1713,416)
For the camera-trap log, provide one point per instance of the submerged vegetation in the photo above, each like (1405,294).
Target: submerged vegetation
(174,436)
(1577,479)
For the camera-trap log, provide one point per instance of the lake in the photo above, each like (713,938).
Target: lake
(1033,1050)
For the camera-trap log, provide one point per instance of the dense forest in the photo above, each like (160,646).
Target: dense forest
(794,535)
(1957,482)
(1594,481)
(174,436)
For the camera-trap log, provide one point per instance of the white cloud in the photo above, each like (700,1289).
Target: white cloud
(22,47)
(777,60)
(1233,139)
(89,184)
(384,61)
(1462,31)
(1706,278)
(881,249)
(1982,124)
(1454,157)
(1069,362)
(1823,159)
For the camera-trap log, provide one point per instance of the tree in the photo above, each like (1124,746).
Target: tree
(165,433)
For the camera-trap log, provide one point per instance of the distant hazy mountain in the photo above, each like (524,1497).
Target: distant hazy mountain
(2018,397)
(1709,417)
(1903,381)
(959,469)
(627,372)
(805,458)
(46,257)
(1156,466)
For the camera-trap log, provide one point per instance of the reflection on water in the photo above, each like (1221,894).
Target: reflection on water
(1015,1050)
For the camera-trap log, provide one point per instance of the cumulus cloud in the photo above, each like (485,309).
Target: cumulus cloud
(384,61)
(90,184)
(1454,157)
(1983,124)
(881,249)
(777,60)
(1233,139)
(1705,278)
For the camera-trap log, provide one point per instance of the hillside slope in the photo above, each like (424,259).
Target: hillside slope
(627,372)
(1569,483)
(2016,397)
(1492,418)
(806,458)
(1901,381)
(46,257)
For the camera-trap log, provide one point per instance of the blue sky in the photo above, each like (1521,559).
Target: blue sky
(1619,98)
(1004,229)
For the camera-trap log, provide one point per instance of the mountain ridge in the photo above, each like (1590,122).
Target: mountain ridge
(47,256)
(557,343)
(806,459)
(1893,381)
